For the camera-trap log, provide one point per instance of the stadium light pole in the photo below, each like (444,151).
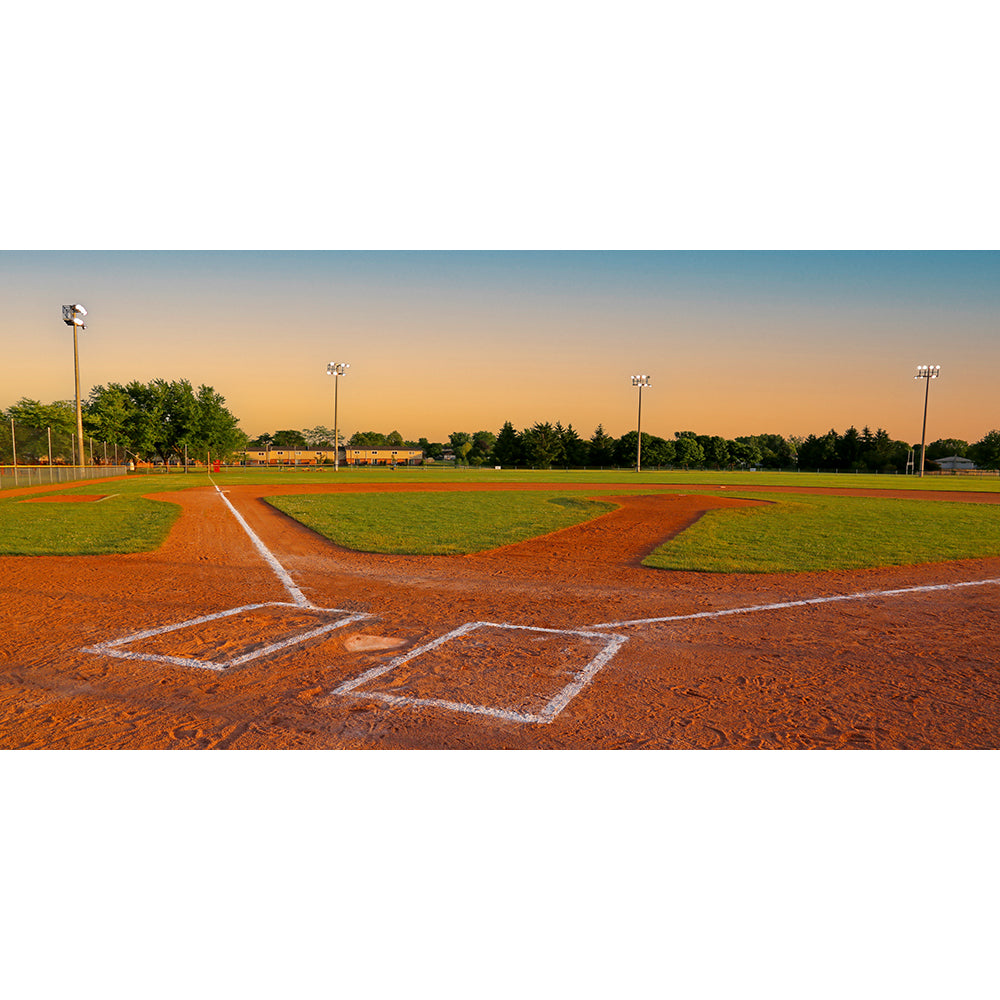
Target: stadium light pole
(73,316)
(336,369)
(643,382)
(926,372)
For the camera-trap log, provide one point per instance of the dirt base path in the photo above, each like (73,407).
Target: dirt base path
(561,641)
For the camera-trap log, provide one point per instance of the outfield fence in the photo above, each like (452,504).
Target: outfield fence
(36,456)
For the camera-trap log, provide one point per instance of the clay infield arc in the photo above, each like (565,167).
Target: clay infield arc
(914,670)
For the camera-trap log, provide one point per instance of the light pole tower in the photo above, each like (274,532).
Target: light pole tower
(926,372)
(336,369)
(73,316)
(643,382)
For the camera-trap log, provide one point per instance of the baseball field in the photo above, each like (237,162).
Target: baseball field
(488,609)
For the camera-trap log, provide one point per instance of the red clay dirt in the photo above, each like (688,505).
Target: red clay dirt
(474,651)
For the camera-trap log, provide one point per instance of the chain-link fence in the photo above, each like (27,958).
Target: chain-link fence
(34,456)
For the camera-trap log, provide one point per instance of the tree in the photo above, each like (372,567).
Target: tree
(289,439)
(576,451)
(482,447)
(602,448)
(160,419)
(744,452)
(848,450)
(366,439)
(819,453)
(216,432)
(320,436)
(507,448)
(461,445)
(717,452)
(542,445)
(653,450)
(946,447)
(33,420)
(775,451)
(688,451)
(658,451)
(986,451)
(60,415)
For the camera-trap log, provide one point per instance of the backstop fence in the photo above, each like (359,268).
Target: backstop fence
(35,456)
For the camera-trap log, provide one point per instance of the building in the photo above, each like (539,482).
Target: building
(953,463)
(325,456)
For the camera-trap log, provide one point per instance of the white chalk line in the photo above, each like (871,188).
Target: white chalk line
(111,648)
(863,595)
(283,575)
(555,705)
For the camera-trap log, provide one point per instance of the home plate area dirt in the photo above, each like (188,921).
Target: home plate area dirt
(564,641)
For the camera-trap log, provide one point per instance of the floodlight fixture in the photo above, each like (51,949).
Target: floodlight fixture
(336,368)
(926,372)
(73,316)
(641,382)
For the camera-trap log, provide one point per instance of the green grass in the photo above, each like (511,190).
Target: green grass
(436,523)
(623,477)
(808,533)
(795,533)
(125,523)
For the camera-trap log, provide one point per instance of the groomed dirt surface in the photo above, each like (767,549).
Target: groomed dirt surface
(558,642)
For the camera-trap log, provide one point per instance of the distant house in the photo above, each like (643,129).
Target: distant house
(325,456)
(954,463)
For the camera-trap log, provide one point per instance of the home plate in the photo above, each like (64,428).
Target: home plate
(364,643)
(231,638)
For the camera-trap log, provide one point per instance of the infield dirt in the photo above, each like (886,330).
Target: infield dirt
(912,670)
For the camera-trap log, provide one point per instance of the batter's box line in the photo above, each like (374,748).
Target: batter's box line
(551,710)
(111,648)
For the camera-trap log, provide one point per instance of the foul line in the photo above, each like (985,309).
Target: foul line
(289,584)
(799,604)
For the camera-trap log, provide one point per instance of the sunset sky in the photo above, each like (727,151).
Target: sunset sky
(735,342)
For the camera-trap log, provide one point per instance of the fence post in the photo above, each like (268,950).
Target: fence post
(13,449)
(49,432)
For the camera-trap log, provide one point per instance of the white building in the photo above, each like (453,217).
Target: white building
(954,463)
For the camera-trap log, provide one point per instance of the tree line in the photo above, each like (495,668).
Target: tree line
(161,420)
(545,445)
(153,420)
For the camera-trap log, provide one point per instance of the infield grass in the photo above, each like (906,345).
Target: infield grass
(124,523)
(436,523)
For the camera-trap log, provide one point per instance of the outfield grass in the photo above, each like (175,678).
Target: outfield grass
(436,523)
(794,533)
(624,477)
(805,533)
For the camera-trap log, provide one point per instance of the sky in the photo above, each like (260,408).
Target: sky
(735,342)
(249,153)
